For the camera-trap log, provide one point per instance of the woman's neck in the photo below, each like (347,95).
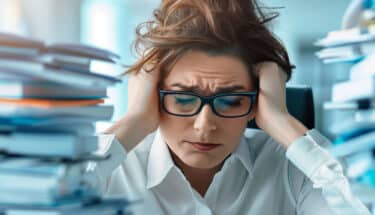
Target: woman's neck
(199,179)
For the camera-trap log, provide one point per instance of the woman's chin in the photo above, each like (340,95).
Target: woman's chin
(202,163)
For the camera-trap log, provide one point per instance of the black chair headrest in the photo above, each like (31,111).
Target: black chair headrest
(300,104)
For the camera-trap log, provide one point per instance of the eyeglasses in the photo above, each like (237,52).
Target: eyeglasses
(228,105)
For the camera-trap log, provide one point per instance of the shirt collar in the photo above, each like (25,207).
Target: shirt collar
(242,153)
(160,160)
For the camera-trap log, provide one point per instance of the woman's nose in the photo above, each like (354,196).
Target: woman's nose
(205,120)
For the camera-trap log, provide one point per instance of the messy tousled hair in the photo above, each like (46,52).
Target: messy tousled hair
(218,27)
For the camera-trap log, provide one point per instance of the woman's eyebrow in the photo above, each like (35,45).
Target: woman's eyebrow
(229,89)
(226,89)
(185,87)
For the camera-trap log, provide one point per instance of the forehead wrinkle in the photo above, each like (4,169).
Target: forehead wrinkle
(209,83)
(208,73)
(216,75)
(208,88)
(212,73)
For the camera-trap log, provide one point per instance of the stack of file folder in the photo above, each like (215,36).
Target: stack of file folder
(349,45)
(355,135)
(357,38)
(50,100)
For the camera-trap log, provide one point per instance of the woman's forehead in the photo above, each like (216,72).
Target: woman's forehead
(199,68)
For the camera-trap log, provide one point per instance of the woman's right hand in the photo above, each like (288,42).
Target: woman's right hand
(143,99)
(142,116)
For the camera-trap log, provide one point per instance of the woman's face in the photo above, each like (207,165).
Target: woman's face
(188,137)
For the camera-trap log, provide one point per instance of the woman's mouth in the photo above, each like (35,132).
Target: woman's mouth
(203,146)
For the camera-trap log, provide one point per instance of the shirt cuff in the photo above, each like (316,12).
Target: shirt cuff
(307,154)
(109,145)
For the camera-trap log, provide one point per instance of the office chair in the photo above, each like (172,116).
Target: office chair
(300,104)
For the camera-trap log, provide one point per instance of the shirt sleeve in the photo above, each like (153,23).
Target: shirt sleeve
(325,173)
(108,145)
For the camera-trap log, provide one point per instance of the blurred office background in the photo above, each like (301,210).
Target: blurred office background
(110,24)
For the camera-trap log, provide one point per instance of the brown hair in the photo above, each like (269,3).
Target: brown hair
(234,27)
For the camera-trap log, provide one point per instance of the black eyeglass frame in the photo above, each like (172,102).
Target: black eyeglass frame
(207,100)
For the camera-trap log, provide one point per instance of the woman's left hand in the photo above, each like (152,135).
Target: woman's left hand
(271,112)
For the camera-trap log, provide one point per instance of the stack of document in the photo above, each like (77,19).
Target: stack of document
(39,182)
(355,144)
(361,84)
(50,100)
(43,85)
(355,46)
(355,41)
(348,45)
(355,135)
(113,206)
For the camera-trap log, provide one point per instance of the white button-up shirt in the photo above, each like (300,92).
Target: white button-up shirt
(259,177)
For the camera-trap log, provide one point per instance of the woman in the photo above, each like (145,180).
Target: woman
(207,68)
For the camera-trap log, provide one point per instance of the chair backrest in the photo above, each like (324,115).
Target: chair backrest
(300,104)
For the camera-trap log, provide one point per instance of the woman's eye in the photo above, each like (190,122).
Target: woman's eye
(185,100)
(233,102)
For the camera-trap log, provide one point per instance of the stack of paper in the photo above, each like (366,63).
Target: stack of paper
(355,135)
(34,70)
(356,145)
(349,45)
(51,86)
(356,46)
(38,182)
(49,101)
(92,207)
(355,40)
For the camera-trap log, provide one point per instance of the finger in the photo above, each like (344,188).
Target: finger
(271,73)
(283,74)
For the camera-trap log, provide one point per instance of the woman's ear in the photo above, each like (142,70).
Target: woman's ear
(251,116)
